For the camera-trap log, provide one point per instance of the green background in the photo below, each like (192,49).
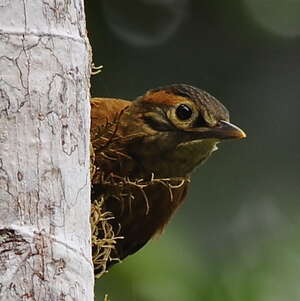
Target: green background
(237,236)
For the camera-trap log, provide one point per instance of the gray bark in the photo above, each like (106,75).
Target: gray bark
(45,251)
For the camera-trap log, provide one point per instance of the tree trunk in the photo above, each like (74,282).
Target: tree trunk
(45,251)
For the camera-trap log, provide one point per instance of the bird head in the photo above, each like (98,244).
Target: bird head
(182,126)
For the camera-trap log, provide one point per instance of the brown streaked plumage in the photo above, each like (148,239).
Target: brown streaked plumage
(146,150)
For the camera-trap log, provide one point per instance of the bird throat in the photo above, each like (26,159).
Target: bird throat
(191,154)
(178,161)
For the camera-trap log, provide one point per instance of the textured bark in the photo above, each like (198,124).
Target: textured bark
(45,249)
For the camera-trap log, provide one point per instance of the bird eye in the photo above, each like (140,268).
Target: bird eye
(184,112)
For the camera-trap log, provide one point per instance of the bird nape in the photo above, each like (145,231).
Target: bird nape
(144,153)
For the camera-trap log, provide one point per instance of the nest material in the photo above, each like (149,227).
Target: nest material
(103,237)
(106,147)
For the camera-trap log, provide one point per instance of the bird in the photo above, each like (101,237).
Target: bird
(145,151)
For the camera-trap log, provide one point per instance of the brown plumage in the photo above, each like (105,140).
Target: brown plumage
(145,151)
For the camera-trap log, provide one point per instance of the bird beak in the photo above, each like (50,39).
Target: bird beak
(226,130)
(223,130)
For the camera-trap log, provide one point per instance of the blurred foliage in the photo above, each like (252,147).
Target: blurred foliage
(236,238)
(158,273)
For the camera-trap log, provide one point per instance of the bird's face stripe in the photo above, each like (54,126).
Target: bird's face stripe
(163,98)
